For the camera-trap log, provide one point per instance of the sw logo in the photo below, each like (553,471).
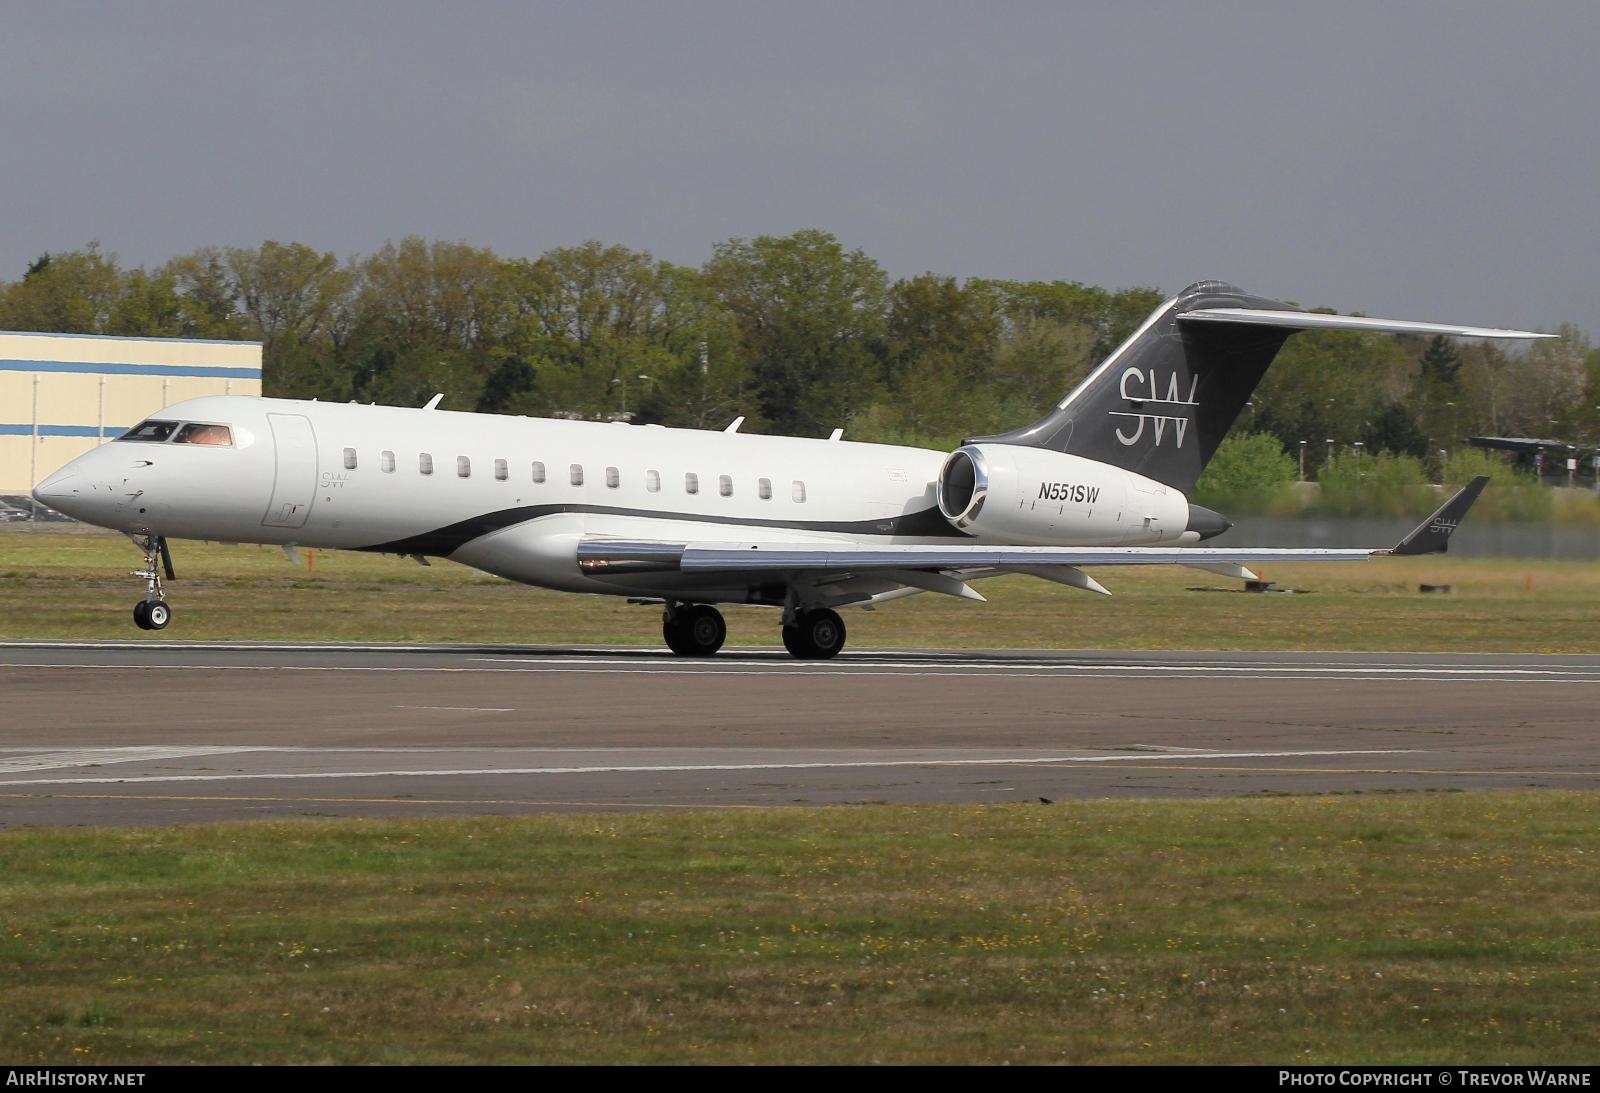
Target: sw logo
(1141,389)
(1444,527)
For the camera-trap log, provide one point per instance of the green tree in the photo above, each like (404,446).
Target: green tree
(1250,472)
(941,342)
(73,292)
(147,306)
(811,321)
(208,302)
(1330,385)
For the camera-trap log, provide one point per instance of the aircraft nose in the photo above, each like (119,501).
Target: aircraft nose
(73,492)
(56,489)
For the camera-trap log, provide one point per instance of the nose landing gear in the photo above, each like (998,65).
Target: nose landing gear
(152,612)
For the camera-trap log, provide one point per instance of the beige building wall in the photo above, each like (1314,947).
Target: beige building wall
(63,394)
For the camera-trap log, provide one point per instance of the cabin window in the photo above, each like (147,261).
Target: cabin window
(501,471)
(214,436)
(691,483)
(652,481)
(797,490)
(463,467)
(153,431)
(349,459)
(425,463)
(613,479)
(386,462)
(725,485)
(764,488)
(538,472)
(577,474)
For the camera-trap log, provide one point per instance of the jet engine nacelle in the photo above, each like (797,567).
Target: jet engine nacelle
(1006,493)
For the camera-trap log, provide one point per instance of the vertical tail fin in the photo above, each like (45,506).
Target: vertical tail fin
(1162,402)
(1160,405)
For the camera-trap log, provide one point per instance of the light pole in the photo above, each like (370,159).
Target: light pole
(1358,458)
(1330,450)
(1302,461)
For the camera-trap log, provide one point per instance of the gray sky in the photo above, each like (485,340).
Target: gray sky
(1410,159)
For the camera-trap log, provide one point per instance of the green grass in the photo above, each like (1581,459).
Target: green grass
(1449,928)
(73,585)
(1437,928)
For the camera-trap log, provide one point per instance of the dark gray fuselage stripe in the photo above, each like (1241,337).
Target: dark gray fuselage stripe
(444,541)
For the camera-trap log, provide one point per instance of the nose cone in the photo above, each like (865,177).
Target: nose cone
(1206,523)
(77,491)
(56,492)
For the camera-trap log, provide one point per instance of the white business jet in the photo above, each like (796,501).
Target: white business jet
(688,518)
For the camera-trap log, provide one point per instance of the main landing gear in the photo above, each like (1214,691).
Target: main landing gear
(697,630)
(817,634)
(693,629)
(152,612)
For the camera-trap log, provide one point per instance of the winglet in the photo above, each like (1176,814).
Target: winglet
(1432,536)
(433,403)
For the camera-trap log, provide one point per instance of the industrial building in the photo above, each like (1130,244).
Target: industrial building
(63,394)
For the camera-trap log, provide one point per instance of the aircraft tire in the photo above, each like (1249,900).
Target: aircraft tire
(706,630)
(676,638)
(141,615)
(816,635)
(159,615)
(698,632)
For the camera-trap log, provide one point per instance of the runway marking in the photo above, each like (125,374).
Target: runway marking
(91,757)
(472,801)
(1434,674)
(465,709)
(690,768)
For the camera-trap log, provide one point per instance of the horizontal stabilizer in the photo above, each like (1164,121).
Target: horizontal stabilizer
(1307,320)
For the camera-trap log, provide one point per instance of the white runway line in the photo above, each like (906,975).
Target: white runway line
(93,757)
(464,709)
(1432,674)
(692,768)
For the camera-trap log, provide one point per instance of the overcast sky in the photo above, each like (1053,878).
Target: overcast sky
(1409,159)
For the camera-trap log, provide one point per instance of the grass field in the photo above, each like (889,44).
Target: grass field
(74,585)
(1367,928)
(1450,928)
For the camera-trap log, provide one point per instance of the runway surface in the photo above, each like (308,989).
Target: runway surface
(173,732)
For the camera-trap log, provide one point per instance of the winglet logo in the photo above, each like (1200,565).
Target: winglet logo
(1444,527)
(1143,390)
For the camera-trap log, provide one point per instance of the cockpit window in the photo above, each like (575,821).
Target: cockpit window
(152,430)
(217,436)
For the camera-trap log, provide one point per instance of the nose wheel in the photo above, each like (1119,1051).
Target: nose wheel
(151,615)
(152,612)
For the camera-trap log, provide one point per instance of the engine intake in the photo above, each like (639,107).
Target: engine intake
(963,486)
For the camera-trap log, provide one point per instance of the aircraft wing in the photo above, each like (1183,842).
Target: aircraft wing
(945,568)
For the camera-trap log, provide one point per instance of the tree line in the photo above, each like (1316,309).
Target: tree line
(795,332)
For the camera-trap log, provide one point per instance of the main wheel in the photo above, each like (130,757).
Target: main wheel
(815,635)
(141,615)
(698,631)
(795,642)
(159,615)
(707,630)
